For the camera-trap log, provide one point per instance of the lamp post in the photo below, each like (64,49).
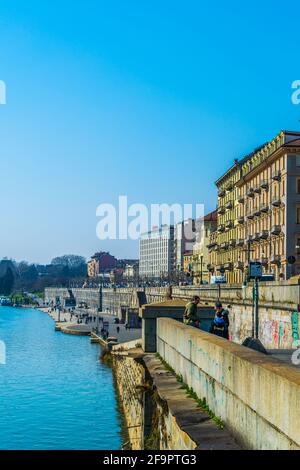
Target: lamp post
(222,271)
(201,270)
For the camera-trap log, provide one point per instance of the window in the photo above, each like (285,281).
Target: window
(298,160)
(298,186)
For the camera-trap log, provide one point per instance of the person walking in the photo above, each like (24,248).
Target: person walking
(190,314)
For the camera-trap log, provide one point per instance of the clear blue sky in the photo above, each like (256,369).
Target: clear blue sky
(152,99)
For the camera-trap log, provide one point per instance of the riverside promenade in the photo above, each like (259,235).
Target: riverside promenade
(67,323)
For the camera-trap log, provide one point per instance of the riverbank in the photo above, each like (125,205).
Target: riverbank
(66,323)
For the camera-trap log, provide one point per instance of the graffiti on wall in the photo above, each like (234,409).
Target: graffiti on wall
(275,333)
(295,329)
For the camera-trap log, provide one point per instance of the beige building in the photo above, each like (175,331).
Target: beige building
(91,268)
(201,259)
(188,262)
(259,211)
(131,271)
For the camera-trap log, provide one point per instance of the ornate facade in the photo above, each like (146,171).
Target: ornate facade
(259,211)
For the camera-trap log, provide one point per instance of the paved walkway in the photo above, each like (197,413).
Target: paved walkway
(123,335)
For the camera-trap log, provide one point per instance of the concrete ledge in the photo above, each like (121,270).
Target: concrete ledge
(129,345)
(257,396)
(191,423)
(71,330)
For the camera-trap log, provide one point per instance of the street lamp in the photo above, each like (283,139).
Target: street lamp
(201,269)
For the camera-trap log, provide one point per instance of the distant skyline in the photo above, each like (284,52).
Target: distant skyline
(153,100)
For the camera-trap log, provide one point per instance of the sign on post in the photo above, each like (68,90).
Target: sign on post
(255,270)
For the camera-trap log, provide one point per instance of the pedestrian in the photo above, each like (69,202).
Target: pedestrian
(218,326)
(190,314)
(225,315)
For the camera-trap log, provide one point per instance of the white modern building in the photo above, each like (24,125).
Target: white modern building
(157,253)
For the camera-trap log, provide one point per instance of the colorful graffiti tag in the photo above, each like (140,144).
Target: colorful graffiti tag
(295,329)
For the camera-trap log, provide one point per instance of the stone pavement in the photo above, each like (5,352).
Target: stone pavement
(122,336)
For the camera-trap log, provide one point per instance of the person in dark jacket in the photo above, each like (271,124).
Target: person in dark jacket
(225,315)
(218,326)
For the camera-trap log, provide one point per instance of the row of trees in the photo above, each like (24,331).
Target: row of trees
(7,282)
(31,277)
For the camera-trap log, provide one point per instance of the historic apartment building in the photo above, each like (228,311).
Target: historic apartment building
(201,257)
(259,211)
(157,253)
(99,263)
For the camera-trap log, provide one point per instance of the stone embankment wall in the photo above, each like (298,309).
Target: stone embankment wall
(279,321)
(256,396)
(130,378)
(158,413)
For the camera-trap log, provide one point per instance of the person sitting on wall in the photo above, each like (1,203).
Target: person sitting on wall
(225,315)
(190,313)
(218,326)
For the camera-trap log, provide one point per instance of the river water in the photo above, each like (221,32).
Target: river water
(54,391)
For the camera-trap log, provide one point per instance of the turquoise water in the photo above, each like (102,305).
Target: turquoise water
(54,391)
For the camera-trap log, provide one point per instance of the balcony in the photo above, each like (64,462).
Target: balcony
(249,239)
(264,208)
(229,205)
(276,202)
(216,247)
(250,192)
(240,242)
(250,216)
(239,265)
(224,246)
(264,184)
(276,175)
(229,224)
(241,220)
(241,199)
(221,228)
(221,193)
(275,259)
(221,210)
(211,245)
(264,261)
(257,190)
(256,211)
(229,187)
(256,237)
(228,266)
(232,242)
(276,230)
(264,235)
